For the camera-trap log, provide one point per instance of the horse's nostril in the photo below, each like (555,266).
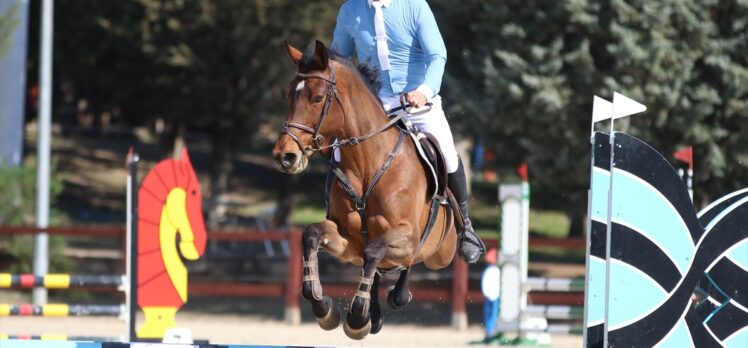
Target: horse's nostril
(289,159)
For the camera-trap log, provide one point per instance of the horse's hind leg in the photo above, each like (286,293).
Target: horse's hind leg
(323,307)
(376,314)
(399,295)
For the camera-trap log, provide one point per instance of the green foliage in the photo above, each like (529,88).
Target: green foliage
(18,193)
(17,203)
(522,74)
(8,23)
(215,64)
(20,251)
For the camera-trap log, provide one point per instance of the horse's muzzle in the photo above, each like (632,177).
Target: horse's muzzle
(291,162)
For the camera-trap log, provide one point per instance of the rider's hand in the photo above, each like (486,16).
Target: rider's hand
(416,98)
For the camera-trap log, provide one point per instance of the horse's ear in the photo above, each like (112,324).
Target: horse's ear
(293,52)
(321,56)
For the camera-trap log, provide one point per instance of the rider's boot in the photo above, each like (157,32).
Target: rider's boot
(471,246)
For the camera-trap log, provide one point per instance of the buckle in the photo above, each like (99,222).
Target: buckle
(319,140)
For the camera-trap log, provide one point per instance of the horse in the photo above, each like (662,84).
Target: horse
(378,200)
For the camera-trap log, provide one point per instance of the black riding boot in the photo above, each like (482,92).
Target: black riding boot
(471,246)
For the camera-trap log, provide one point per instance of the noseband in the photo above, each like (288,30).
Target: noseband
(318,139)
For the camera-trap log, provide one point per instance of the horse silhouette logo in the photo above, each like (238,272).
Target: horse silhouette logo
(170,228)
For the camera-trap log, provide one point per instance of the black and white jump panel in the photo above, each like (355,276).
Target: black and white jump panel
(74,344)
(670,277)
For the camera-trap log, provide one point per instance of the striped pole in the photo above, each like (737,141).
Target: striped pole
(57,337)
(556,329)
(26,344)
(59,310)
(554,311)
(58,281)
(554,284)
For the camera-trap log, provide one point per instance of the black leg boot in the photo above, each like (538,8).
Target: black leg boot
(471,246)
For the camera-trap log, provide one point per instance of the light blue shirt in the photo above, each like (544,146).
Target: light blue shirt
(416,50)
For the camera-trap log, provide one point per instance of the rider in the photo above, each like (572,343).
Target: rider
(401,39)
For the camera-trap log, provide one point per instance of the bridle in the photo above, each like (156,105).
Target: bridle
(318,139)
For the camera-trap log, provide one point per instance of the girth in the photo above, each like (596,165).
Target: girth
(359,202)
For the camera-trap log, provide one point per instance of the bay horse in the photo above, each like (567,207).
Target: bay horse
(378,203)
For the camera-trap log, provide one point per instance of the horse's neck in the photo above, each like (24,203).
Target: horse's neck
(365,159)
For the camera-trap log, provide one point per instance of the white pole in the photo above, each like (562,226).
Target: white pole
(41,240)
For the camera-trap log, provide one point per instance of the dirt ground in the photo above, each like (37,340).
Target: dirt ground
(261,331)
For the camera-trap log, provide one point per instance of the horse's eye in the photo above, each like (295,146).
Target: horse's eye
(317,99)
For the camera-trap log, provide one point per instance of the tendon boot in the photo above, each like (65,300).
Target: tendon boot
(471,246)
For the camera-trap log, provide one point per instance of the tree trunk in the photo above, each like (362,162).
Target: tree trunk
(221,168)
(224,142)
(179,143)
(284,202)
(577,226)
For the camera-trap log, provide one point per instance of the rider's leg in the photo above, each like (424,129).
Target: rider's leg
(435,122)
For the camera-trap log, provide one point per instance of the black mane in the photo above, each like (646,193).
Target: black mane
(365,71)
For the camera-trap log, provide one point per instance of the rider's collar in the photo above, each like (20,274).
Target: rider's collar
(385,3)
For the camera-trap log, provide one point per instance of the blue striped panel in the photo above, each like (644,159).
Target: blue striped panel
(595,297)
(637,204)
(680,338)
(632,294)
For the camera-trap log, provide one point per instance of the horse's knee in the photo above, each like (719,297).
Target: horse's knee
(375,251)
(311,235)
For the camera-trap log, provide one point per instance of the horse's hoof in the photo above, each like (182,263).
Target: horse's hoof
(331,320)
(376,324)
(357,334)
(392,301)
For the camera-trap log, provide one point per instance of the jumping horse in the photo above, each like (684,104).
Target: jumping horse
(379,203)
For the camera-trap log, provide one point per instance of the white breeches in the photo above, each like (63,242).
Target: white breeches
(435,122)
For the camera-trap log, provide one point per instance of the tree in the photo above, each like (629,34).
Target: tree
(526,70)
(7,24)
(212,65)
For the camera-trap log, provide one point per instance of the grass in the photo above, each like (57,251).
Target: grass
(307,215)
(549,223)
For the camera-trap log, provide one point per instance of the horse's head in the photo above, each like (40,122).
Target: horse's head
(312,116)
(184,206)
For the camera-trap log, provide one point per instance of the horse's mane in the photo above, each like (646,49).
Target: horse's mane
(364,71)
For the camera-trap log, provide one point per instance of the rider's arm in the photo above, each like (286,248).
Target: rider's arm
(433,49)
(342,41)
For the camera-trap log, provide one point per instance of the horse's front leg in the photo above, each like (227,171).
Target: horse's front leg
(392,245)
(323,307)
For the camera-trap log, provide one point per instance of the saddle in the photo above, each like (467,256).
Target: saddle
(432,159)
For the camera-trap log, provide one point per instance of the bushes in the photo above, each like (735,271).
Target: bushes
(17,203)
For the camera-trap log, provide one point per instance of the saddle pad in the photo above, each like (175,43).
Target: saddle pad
(433,160)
